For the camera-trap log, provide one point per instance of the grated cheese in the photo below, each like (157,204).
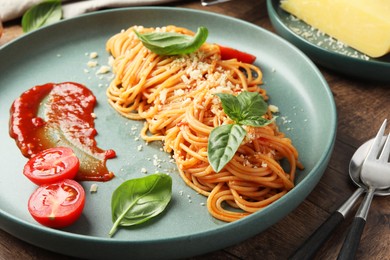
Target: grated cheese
(103,70)
(92,64)
(94,188)
(93,55)
(273,108)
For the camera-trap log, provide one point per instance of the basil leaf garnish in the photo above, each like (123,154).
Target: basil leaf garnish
(248,109)
(245,108)
(231,106)
(256,121)
(252,105)
(171,43)
(138,200)
(223,144)
(44,13)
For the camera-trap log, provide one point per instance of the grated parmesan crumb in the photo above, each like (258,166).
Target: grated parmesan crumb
(110,61)
(94,188)
(93,55)
(92,64)
(273,108)
(103,70)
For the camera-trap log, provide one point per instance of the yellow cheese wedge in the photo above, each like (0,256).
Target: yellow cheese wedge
(362,24)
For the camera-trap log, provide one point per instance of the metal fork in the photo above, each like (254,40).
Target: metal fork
(375,174)
(212,2)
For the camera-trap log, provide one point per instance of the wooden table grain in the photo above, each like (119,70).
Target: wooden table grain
(361,107)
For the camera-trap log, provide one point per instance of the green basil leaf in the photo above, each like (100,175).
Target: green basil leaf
(44,13)
(171,43)
(231,106)
(256,121)
(223,143)
(245,109)
(138,200)
(252,104)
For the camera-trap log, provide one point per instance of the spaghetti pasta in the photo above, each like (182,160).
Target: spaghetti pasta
(175,97)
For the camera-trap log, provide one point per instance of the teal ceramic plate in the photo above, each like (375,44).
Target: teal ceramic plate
(327,51)
(59,53)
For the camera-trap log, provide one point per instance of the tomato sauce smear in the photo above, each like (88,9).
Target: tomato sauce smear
(53,115)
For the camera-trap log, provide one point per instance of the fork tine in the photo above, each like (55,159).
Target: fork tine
(212,2)
(376,145)
(384,157)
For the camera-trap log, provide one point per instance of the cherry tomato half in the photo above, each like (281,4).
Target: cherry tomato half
(52,165)
(228,53)
(57,204)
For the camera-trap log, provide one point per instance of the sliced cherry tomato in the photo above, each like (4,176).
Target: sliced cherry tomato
(57,204)
(52,165)
(228,53)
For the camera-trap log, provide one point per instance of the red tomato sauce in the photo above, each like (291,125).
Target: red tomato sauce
(61,114)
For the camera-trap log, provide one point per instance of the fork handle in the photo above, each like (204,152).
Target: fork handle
(351,242)
(308,249)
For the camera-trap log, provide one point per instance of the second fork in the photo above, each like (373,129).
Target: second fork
(374,174)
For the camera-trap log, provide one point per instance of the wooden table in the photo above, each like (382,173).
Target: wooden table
(361,108)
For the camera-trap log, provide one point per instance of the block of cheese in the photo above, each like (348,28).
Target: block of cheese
(361,24)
